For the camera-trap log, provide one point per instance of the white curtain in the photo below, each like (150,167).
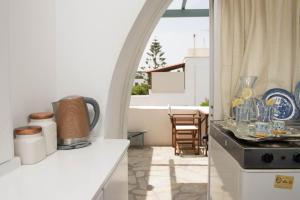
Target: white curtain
(260,38)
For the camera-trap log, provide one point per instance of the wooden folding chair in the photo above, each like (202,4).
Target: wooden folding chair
(185,131)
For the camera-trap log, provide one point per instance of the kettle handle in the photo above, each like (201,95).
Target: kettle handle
(96,108)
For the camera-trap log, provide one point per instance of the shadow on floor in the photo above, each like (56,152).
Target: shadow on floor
(155,173)
(187,191)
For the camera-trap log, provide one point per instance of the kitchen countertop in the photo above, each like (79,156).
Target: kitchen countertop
(71,174)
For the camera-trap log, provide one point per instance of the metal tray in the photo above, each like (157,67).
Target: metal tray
(293,133)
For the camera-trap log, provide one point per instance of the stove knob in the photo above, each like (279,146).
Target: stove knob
(296,157)
(268,157)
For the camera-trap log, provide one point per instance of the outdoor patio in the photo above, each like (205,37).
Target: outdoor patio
(156,173)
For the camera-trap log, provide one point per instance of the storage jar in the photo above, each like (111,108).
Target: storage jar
(49,130)
(29,144)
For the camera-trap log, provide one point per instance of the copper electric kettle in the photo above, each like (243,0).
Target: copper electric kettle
(73,122)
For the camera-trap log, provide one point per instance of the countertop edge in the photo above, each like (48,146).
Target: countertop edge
(64,169)
(111,172)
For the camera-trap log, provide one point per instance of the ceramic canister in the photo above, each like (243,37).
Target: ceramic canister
(49,129)
(29,144)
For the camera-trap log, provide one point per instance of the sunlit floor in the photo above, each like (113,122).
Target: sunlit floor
(156,173)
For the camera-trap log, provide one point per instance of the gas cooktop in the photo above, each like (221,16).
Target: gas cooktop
(258,155)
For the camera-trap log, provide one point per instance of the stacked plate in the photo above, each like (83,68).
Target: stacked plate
(297,95)
(287,105)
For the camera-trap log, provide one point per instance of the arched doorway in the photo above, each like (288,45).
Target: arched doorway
(115,121)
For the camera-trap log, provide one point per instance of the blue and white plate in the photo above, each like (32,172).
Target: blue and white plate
(297,94)
(285,105)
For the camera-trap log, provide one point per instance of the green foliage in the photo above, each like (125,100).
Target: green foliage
(141,75)
(205,103)
(138,76)
(140,89)
(155,57)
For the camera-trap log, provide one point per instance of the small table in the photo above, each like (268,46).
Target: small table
(140,134)
(204,114)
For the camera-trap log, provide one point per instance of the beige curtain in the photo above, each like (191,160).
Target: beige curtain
(260,38)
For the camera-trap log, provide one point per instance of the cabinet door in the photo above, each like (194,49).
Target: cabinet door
(116,187)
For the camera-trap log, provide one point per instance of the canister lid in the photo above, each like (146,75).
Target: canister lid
(28,130)
(41,115)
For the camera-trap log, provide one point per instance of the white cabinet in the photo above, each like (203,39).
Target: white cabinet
(229,181)
(116,188)
(100,167)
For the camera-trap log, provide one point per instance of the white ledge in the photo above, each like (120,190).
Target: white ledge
(71,174)
(203,109)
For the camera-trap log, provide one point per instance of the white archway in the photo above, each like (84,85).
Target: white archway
(115,121)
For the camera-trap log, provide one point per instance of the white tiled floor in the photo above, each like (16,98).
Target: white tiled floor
(156,173)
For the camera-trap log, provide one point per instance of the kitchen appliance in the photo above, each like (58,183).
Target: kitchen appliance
(244,170)
(73,121)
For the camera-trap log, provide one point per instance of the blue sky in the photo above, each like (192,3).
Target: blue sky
(176,34)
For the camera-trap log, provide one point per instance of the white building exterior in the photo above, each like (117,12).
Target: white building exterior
(196,83)
(188,88)
(138,81)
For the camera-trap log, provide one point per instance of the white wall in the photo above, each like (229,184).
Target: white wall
(32,57)
(116,113)
(155,120)
(61,47)
(27,64)
(216,60)
(196,87)
(6,148)
(138,81)
(90,35)
(50,49)
(202,78)
(159,99)
(167,82)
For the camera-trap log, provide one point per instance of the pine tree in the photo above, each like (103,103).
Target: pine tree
(155,57)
